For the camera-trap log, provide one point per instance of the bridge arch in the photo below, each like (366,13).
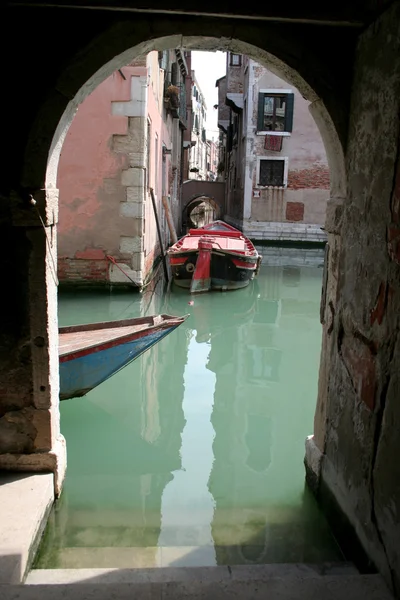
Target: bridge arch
(195,202)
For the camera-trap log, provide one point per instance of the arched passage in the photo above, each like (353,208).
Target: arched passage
(360,312)
(210,203)
(120,43)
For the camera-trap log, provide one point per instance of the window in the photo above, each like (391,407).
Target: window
(272,172)
(262,364)
(275,112)
(236,60)
(163,59)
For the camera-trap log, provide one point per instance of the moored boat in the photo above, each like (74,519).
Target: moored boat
(90,354)
(214,257)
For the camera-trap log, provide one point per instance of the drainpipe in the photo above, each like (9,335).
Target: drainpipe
(181,186)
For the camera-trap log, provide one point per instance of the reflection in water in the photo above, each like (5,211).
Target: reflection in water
(193,454)
(180,526)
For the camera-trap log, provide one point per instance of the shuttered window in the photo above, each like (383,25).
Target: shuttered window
(275,112)
(174,73)
(272,173)
(236,60)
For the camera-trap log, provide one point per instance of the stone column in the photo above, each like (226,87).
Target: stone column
(315,444)
(30,438)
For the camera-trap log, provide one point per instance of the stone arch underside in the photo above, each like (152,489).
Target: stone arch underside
(126,39)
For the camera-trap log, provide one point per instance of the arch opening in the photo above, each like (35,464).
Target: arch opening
(199,212)
(44,150)
(320,113)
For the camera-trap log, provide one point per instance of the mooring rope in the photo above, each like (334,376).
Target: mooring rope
(54,269)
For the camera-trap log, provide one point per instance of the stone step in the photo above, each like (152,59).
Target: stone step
(254,586)
(187,574)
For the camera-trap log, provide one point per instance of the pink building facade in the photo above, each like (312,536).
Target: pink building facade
(125,140)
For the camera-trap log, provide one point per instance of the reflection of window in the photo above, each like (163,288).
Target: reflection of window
(262,364)
(275,112)
(267,311)
(258,441)
(236,60)
(291,276)
(272,172)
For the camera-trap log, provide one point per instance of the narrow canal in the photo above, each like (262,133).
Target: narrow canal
(193,454)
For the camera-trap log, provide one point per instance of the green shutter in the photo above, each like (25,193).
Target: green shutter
(289,112)
(260,114)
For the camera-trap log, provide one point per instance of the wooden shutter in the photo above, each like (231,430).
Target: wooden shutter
(174,73)
(260,114)
(289,112)
(229,139)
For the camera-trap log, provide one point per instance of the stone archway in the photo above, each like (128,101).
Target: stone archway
(193,204)
(361,301)
(78,76)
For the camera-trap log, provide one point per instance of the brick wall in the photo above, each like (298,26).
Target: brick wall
(83,270)
(294,211)
(316,177)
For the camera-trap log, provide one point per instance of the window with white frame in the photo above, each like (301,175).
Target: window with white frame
(275,111)
(236,60)
(272,172)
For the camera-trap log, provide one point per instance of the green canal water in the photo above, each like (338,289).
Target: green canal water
(193,454)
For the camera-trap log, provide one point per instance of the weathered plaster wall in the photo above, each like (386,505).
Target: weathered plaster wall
(90,183)
(105,206)
(234,77)
(159,131)
(223,109)
(359,411)
(305,197)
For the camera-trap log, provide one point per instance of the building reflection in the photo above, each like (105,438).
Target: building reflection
(262,414)
(210,467)
(124,442)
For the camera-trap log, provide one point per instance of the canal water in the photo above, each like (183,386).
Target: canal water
(193,454)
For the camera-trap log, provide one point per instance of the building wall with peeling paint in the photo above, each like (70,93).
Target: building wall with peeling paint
(112,156)
(295,209)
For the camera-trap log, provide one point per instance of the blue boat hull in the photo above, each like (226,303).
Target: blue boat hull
(80,375)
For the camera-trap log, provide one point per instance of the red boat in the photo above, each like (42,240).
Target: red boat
(214,257)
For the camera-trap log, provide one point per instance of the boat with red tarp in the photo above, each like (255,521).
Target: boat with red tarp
(214,257)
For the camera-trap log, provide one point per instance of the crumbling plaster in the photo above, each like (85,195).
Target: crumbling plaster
(358,412)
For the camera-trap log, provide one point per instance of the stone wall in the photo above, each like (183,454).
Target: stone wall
(358,410)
